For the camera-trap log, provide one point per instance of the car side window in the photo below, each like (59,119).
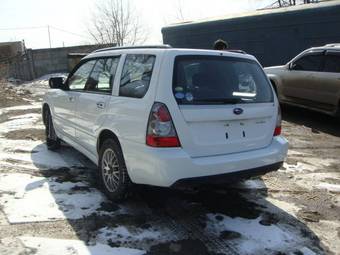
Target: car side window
(310,62)
(332,63)
(78,79)
(102,75)
(136,75)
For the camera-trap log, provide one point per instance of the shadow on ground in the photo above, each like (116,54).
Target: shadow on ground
(314,120)
(183,213)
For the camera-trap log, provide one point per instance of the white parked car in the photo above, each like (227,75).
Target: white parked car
(167,117)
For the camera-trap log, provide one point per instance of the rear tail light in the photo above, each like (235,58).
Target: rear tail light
(161,130)
(277,130)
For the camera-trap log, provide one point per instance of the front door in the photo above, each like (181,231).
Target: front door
(302,80)
(64,105)
(66,100)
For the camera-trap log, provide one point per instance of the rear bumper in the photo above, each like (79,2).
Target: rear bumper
(228,177)
(172,166)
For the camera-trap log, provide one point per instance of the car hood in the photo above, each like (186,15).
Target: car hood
(272,69)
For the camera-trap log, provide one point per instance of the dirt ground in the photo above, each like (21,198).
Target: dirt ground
(301,201)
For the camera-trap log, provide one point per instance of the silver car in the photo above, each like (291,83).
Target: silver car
(310,80)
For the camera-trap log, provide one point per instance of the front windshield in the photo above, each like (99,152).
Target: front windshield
(219,80)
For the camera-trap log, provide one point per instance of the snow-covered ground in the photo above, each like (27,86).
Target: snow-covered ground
(50,204)
(44,199)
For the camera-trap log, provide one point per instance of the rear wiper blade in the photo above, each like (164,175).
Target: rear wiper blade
(220,100)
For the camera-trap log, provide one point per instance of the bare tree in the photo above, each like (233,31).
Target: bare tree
(116,22)
(179,11)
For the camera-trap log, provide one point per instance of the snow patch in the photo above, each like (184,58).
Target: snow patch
(37,87)
(252,184)
(329,187)
(133,235)
(47,246)
(284,206)
(21,122)
(32,154)
(254,236)
(30,199)
(324,162)
(307,251)
(35,155)
(26,116)
(311,181)
(20,107)
(294,152)
(299,167)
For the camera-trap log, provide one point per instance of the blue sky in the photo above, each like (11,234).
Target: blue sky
(75,15)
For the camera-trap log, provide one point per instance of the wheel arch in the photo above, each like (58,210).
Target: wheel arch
(106,134)
(274,84)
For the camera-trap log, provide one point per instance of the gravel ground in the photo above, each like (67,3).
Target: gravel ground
(46,197)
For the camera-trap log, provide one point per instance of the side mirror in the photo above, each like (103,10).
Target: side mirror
(56,83)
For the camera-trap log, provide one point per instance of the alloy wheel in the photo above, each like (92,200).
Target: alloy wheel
(110,170)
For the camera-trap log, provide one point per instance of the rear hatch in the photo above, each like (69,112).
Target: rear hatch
(226,105)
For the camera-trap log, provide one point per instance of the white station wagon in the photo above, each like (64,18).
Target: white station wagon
(167,117)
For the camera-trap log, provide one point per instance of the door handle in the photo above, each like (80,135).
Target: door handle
(71,99)
(101,105)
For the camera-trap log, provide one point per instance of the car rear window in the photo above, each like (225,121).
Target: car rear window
(219,80)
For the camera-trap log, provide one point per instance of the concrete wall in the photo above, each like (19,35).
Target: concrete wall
(36,63)
(11,49)
(19,66)
(274,37)
(55,60)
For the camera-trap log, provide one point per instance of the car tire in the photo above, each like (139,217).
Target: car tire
(114,178)
(337,112)
(52,141)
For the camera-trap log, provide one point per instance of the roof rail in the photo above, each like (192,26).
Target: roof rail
(236,51)
(333,45)
(162,46)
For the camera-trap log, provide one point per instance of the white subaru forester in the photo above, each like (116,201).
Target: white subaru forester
(167,117)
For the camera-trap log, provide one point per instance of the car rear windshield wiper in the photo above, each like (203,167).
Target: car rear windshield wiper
(219,100)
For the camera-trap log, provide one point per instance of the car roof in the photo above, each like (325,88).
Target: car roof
(327,47)
(156,49)
(330,46)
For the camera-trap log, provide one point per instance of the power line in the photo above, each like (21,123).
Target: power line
(44,27)
(48,27)
(69,32)
(22,28)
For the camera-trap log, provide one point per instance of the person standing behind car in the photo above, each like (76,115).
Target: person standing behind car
(220,45)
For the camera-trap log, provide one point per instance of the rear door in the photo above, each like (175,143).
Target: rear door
(93,101)
(330,77)
(226,105)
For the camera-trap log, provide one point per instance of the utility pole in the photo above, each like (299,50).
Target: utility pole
(49,35)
